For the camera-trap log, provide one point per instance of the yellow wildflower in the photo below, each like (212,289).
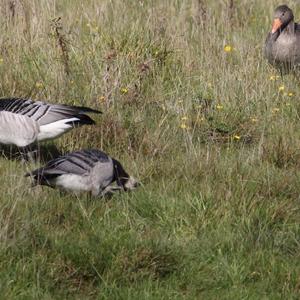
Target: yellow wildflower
(274,77)
(102,99)
(254,120)
(281,88)
(236,137)
(184,118)
(183,126)
(219,106)
(124,90)
(39,84)
(290,94)
(228,48)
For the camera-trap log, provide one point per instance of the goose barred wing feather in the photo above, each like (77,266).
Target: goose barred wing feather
(79,163)
(45,113)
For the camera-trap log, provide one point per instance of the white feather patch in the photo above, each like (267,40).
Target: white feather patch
(17,129)
(73,182)
(55,129)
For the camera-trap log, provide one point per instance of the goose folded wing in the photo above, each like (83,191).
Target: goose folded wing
(73,115)
(45,113)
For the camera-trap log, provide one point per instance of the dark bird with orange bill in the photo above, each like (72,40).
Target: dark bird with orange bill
(282,46)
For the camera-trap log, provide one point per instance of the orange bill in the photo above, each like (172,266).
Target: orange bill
(276,25)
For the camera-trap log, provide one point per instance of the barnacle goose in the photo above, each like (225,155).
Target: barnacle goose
(24,121)
(84,170)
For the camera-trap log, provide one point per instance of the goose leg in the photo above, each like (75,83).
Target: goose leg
(28,154)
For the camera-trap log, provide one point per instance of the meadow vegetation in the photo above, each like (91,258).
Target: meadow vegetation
(192,109)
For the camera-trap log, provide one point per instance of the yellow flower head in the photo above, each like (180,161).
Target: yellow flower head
(254,120)
(39,84)
(237,137)
(102,99)
(228,48)
(219,106)
(281,88)
(290,94)
(184,118)
(183,126)
(274,77)
(124,90)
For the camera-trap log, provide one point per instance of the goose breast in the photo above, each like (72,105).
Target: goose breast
(17,129)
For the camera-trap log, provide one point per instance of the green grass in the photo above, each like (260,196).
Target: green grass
(213,140)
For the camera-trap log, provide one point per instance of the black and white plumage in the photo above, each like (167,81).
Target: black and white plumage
(23,121)
(84,170)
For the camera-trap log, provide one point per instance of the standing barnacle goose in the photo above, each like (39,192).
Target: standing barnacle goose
(23,121)
(84,170)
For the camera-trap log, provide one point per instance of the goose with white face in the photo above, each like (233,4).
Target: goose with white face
(85,171)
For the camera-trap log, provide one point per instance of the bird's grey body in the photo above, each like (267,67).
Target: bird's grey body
(282,46)
(84,170)
(23,121)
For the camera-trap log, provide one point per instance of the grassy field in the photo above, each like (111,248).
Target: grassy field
(192,109)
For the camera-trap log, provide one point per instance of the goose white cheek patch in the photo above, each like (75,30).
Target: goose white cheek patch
(131,183)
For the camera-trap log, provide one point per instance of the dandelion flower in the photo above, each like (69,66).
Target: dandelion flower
(219,106)
(102,99)
(228,48)
(281,88)
(39,84)
(290,94)
(237,137)
(124,90)
(183,126)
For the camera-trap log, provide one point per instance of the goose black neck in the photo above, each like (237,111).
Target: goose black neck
(120,174)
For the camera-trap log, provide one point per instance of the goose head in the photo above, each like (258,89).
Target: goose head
(283,15)
(122,178)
